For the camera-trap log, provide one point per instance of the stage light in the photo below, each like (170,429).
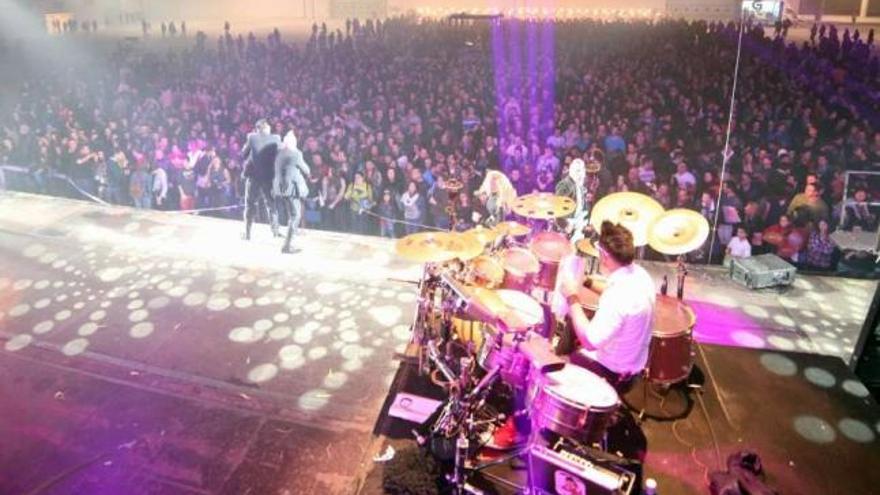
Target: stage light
(856,430)
(141,330)
(747,339)
(819,377)
(317,353)
(313,400)
(262,373)
(856,388)
(18,342)
(87,329)
(814,429)
(44,327)
(75,347)
(280,333)
(755,311)
(778,364)
(780,342)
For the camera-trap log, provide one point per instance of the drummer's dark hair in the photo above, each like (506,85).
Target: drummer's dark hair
(617,241)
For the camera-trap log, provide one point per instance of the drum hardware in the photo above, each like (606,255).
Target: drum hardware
(675,233)
(453,188)
(681,273)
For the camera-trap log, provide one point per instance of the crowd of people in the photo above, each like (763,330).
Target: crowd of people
(390,112)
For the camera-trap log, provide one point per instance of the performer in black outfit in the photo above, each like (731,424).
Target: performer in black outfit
(258,155)
(290,185)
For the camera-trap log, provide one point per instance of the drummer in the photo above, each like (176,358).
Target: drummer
(615,342)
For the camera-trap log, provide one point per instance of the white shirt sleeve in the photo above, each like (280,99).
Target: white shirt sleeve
(603,325)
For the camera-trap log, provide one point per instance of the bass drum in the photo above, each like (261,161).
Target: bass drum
(573,403)
(671,357)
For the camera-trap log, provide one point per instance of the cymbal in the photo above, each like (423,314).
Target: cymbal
(678,231)
(437,247)
(511,228)
(517,310)
(632,210)
(484,236)
(543,206)
(586,247)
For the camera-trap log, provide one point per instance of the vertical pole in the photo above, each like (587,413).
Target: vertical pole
(726,154)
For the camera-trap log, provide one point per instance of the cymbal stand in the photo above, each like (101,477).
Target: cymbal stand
(423,319)
(681,275)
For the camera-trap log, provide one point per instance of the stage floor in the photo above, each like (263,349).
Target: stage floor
(162,341)
(160,352)
(817,314)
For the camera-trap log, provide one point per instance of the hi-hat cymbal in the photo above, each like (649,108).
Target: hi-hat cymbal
(511,228)
(678,231)
(544,206)
(453,185)
(517,310)
(484,236)
(632,210)
(586,247)
(437,247)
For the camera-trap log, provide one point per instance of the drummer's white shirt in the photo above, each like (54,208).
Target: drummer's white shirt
(621,329)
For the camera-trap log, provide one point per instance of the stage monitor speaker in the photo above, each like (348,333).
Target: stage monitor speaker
(566,473)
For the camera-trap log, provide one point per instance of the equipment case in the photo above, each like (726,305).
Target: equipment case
(758,272)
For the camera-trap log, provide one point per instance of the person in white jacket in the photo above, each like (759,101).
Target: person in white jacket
(160,187)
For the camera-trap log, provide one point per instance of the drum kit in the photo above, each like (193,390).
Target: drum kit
(483,329)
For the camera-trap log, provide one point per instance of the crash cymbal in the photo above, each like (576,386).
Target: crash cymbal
(678,231)
(484,236)
(586,247)
(632,210)
(437,247)
(466,246)
(511,228)
(544,206)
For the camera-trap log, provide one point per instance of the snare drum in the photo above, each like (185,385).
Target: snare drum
(501,349)
(520,269)
(574,403)
(671,357)
(549,248)
(501,352)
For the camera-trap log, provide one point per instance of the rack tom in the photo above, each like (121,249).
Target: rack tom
(521,269)
(549,248)
(485,271)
